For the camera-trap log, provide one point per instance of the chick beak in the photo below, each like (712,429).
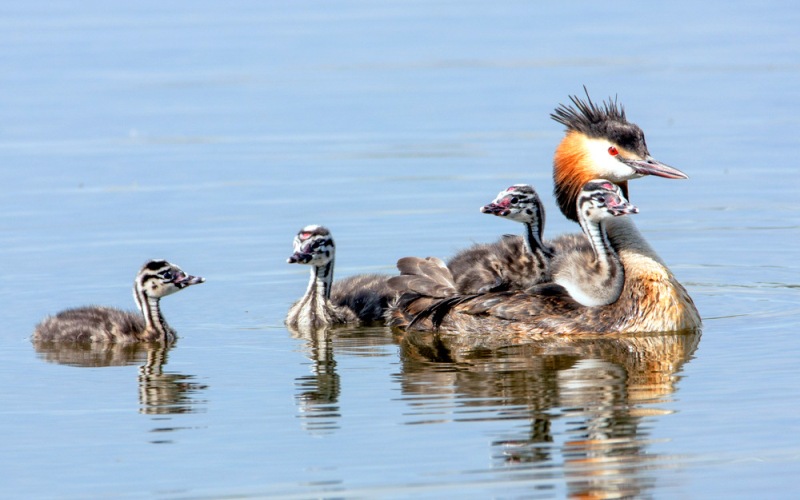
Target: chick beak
(299,258)
(495,209)
(618,206)
(184,280)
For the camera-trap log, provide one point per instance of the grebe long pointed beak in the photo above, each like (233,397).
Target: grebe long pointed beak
(651,166)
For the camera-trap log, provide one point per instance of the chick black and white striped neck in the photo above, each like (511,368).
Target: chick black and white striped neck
(521,203)
(599,201)
(314,246)
(597,279)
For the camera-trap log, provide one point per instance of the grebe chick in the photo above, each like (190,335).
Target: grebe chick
(595,277)
(156,279)
(357,299)
(513,262)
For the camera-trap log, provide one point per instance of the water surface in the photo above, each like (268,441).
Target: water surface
(209,134)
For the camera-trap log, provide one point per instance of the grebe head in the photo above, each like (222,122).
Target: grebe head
(602,199)
(158,278)
(519,203)
(600,143)
(313,245)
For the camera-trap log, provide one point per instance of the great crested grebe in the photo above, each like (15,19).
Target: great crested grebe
(594,277)
(513,262)
(600,143)
(358,299)
(156,279)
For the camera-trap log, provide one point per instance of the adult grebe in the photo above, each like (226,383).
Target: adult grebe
(156,279)
(599,143)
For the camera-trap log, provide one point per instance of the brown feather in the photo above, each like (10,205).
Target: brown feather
(503,265)
(652,300)
(367,295)
(429,277)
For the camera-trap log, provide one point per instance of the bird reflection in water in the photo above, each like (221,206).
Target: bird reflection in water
(160,392)
(318,393)
(589,402)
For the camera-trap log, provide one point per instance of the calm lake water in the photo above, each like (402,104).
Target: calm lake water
(209,133)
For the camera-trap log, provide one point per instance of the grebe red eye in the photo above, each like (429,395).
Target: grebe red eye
(612,151)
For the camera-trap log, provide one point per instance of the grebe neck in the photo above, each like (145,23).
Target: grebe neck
(156,327)
(321,280)
(533,239)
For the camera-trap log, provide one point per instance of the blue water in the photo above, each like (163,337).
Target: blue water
(208,134)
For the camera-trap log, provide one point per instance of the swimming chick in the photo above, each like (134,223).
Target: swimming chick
(355,300)
(156,279)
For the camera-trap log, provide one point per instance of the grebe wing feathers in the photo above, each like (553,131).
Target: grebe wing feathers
(429,277)
(437,310)
(515,306)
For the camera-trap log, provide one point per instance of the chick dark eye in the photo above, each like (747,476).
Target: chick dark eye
(514,200)
(167,275)
(612,151)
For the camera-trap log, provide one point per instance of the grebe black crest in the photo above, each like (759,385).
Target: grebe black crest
(604,121)
(156,279)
